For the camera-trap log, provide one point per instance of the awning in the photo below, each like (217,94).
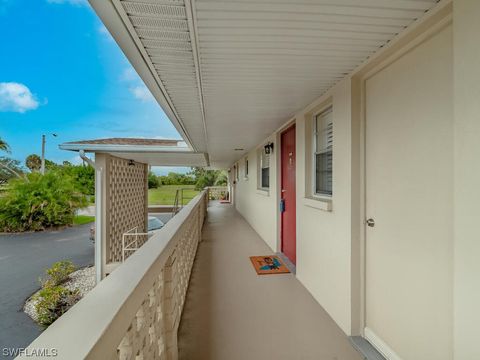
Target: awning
(155,152)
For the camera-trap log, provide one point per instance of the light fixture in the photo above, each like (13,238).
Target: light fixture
(238,149)
(131,162)
(268,148)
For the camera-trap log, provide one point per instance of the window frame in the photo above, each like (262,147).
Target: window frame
(314,153)
(260,152)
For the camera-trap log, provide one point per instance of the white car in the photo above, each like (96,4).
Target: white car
(154,224)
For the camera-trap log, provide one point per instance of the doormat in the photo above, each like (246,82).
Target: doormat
(268,264)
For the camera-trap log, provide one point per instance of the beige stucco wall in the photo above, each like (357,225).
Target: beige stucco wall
(323,237)
(259,207)
(466,56)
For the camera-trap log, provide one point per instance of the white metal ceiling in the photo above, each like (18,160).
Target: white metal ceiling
(236,70)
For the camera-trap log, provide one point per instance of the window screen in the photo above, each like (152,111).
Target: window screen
(324,152)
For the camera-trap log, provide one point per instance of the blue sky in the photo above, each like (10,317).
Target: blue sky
(61,72)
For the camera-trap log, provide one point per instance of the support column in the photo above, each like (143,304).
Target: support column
(101,206)
(466,27)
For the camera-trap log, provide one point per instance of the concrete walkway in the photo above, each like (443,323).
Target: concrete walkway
(231,313)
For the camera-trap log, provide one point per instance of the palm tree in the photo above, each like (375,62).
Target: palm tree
(4,146)
(5,164)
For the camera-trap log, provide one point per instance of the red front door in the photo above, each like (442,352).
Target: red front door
(288,208)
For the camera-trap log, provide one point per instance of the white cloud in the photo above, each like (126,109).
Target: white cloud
(70,2)
(16,97)
(137,87)
(76,160)
(142,93)
(129,75)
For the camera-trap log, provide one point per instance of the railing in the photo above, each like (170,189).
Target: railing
(134,313)
(178,203)
(217,193)
(131,241)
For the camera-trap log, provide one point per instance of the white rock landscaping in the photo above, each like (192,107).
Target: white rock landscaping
(83,280)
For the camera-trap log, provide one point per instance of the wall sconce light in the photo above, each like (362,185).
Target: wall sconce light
(131,163)
(268,148)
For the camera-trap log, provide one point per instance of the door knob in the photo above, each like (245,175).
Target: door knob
(370,222)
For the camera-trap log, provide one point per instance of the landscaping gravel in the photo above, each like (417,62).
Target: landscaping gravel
(82,279)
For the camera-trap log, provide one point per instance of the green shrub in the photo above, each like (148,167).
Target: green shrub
(153,181)
(53,301)
(39,202)
(83,177)
(58,273)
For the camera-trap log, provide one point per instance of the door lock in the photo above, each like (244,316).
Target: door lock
(370,222)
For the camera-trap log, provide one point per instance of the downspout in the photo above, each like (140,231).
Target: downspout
(98,216)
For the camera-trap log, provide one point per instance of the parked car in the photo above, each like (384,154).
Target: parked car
(154,224)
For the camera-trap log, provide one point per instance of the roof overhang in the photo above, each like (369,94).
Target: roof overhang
(229,73)
(152,155)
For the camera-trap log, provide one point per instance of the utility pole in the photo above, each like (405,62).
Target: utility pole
(42,169)
(44,140)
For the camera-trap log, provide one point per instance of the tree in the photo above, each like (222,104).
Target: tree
(83,176)
(4,146)
(9,168)
(204,178)
(177,179)
(153,181)
(33,162)
(222,178)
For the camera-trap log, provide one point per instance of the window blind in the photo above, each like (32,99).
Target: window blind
(324,152)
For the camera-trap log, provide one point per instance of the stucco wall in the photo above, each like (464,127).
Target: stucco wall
(259,207)
(466,26)
(324,237)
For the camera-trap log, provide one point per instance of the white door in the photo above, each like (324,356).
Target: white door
(409,195)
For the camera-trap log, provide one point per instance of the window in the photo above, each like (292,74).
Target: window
(323,153)
(246,168)
(264,169)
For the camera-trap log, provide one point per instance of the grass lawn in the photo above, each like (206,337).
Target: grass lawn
(165,194)
(83,219)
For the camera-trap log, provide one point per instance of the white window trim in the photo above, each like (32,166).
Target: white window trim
(313,152)
(262,190)
(319,203)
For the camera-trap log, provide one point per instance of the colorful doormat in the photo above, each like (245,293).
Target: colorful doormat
(268,264)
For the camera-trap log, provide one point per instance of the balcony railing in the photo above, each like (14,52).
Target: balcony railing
(217,192)
(135,312)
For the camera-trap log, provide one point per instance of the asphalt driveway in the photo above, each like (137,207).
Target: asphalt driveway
(23,258)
